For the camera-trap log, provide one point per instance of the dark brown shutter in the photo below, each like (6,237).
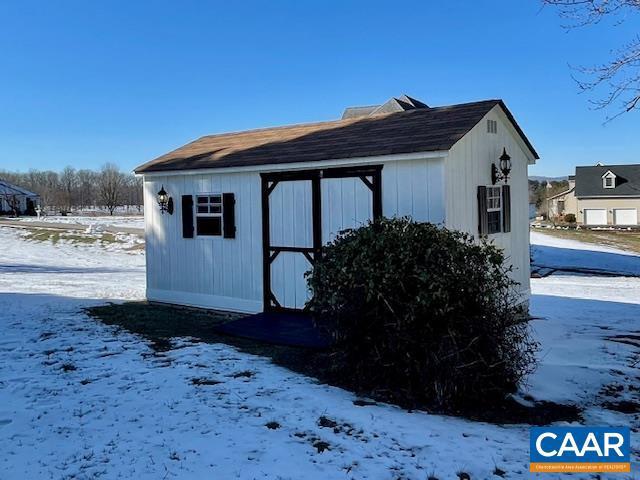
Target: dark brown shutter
(506,208)
(187,216)
(229,215)
(483,218)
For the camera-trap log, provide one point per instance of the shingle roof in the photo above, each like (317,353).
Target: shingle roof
(400,104)
(7,188)
(589,181)
(416,130)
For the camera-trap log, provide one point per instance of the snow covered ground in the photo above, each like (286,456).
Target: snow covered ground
(79,399)
(133,221)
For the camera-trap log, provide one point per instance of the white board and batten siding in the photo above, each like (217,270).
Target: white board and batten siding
(207,271)
(214,272)
(290,225)
(469,165)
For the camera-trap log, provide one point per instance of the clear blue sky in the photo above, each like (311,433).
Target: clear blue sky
(86,82)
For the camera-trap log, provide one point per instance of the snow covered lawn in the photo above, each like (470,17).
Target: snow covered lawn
(134,221)
(79,399)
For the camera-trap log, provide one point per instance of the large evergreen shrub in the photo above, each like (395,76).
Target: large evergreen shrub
(421,315)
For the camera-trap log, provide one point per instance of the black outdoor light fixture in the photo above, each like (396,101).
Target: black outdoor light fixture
(503,172)
(165,202)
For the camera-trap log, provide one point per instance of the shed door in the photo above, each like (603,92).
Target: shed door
(625,216)
(346,203)
(291,237)
(595,216)
(301,210)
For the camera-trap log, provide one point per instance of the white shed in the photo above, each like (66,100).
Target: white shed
(248,211)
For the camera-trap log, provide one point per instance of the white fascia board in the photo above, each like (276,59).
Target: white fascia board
(277,167)
(531,160)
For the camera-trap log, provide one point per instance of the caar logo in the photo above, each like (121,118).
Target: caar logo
(580,449)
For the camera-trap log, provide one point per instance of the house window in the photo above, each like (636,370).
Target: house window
(209,215)
(609,180)
(494,209)
(492,126)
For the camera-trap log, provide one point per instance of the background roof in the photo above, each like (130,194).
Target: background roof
(589,181)
(7,188)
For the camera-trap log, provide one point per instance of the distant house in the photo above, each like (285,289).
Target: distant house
(234,220)
(601,195)
(16,200)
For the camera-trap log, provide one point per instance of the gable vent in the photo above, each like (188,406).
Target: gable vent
(492,126)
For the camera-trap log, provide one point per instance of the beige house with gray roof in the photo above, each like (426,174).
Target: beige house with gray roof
(602,195)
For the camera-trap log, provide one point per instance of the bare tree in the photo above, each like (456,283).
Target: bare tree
(615,83)
(110,186)
(74,189)
(86,194)
(68,184)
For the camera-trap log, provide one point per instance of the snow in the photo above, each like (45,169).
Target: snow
(132,221)
(123,411)
(553,252)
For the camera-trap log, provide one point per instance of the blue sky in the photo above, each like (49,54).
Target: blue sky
(83,82)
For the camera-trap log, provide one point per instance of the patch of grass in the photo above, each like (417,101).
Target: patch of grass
(499,472)
(622,239)
(76,237)
(623,406)
(360,402)
(157,321)
(68,367)
(327,422)
(161,344)
(321,446)
(204,381)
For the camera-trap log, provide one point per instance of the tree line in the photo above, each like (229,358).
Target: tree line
(541,191)
(71,190)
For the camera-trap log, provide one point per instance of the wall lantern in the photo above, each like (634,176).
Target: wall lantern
(503,172)
(165,202)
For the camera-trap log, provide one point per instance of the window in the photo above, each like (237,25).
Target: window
(609,180)
(492,126)
(494,209)
(209,215)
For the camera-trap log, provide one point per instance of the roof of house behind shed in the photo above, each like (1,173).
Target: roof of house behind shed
(425,129)
(589,181)
(7,188)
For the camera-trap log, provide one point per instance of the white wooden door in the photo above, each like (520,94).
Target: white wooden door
(595,216)
(303,209)
(346,203)
(290,226)
(625,216)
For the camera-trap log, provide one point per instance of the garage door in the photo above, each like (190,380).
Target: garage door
(625,216)
(595,216)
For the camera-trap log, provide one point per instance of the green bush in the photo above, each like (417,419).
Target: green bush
(569,218)
(421,316)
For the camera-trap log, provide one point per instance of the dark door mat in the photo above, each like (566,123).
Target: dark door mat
(291,329)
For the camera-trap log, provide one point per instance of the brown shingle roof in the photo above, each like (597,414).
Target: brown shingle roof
(418,130)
